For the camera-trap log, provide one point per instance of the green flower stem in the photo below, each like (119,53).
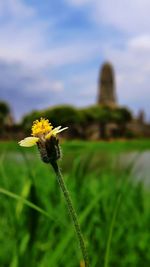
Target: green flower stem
(72,211)
(112,224)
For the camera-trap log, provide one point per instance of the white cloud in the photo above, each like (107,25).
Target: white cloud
(127,15)
(42,85)
(25,45)
(26,42)
(140,43)
(130,16)
(75,52)
(57,86)
(26,59)
(15,8)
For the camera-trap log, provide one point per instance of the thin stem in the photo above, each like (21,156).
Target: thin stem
(106,261)
(72,212)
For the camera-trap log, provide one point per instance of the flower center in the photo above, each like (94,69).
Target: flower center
(41,127)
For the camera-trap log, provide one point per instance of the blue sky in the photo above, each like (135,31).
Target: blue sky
(51,52)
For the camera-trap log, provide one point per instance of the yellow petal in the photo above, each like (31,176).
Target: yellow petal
(55,131)
(29,141)
(62,129)
(48,136)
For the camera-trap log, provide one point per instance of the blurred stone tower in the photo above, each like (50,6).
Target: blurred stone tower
(141,117)
(106,86)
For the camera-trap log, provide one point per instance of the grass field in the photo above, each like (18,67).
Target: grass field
(113,209)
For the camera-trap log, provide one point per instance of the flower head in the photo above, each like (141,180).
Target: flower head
(44,135)
(41,127)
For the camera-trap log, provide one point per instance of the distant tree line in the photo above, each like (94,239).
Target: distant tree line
(79,119)
(4,114)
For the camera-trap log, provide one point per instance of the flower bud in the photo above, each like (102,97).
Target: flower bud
(49,149)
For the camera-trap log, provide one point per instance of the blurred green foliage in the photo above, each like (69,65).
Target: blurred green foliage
(59,115)
(71,116)
(4,108)
(43,237)
(4,112)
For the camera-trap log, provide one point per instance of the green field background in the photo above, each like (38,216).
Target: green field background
(113,206)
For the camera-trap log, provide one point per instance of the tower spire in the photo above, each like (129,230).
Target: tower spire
(106,86)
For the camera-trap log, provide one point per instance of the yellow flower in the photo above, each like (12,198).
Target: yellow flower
(42,130)
(41,127)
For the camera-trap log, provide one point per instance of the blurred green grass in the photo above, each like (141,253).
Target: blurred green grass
(114,210)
